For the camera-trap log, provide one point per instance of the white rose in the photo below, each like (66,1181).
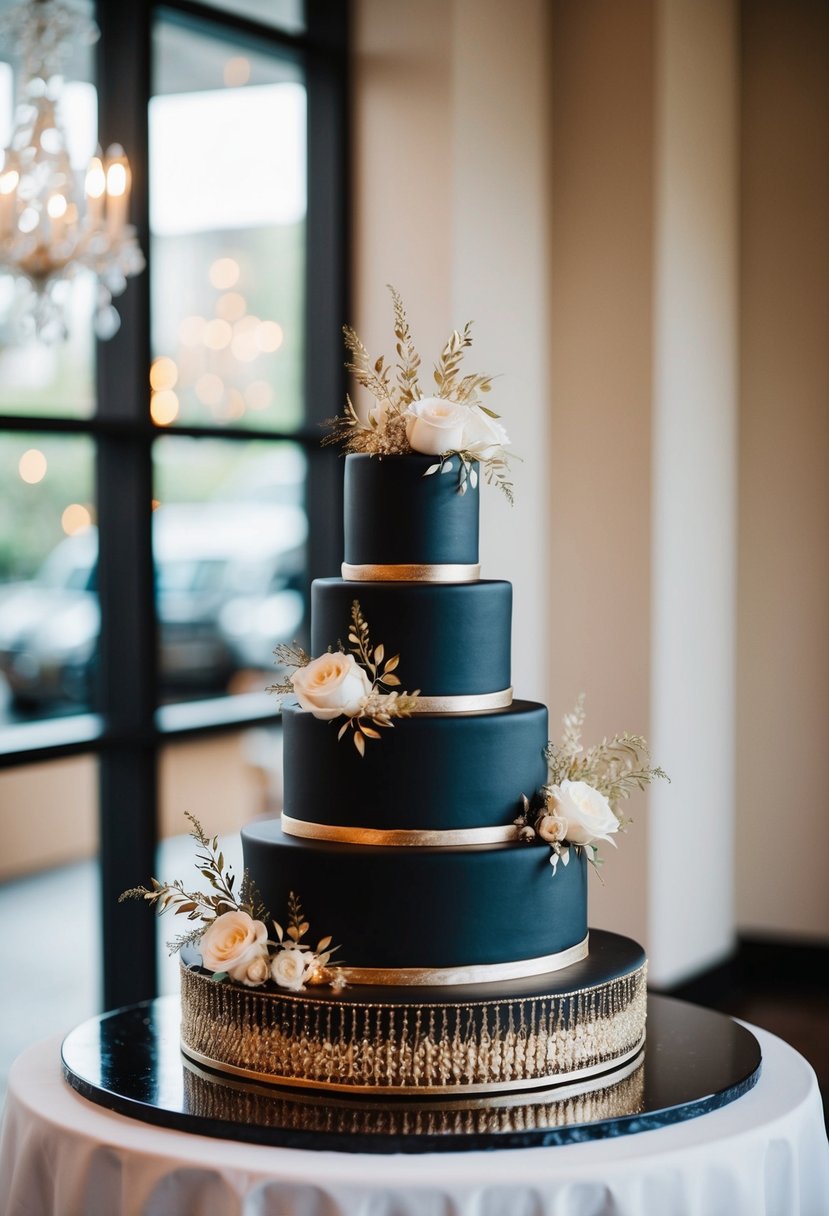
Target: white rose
(232,941)
(483,436)
(331,685)
(290,966)
(435,426)
(252,974)
(587,812)
(551,828)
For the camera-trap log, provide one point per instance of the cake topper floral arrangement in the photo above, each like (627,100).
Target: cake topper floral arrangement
(580,804)
(453,423)
(231,930)
(359,685)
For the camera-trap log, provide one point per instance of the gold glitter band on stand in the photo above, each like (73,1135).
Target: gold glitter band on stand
(398,837)
(348,1044)
(448,573)
(474,703)
(604,1096)
(488,1087)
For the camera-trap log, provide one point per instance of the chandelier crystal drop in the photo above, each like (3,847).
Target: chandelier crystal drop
(53,220)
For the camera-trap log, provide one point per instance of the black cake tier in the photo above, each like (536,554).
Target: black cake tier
(453,638)
(428,772)
(390,908)
(395,515)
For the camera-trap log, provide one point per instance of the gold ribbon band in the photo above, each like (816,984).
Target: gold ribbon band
(609,1070)
(447,573)
(475,973)
(397,837)
(474,703)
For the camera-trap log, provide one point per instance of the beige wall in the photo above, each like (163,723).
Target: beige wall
(694,493)
(599,456)
(783,805)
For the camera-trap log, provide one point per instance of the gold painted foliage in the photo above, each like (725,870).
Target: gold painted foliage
(616,767)
(395,386)
(382,705)
(290,658)
(198,905)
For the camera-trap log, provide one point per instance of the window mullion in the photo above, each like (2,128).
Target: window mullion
(128,652)
(326,294)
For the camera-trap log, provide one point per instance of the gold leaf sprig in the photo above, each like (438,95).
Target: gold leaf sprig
(198,905)
(616,767)
(384,431)
(409,365)
(296,930)
(291,657)
(381,706)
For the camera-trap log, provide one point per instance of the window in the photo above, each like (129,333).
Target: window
(166,499)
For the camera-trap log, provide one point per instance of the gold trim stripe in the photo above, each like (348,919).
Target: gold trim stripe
(474,703)
(380,573)
(550,1080)
(397,837)
(474,973)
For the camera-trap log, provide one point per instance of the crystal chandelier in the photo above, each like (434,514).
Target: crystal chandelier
(52,223)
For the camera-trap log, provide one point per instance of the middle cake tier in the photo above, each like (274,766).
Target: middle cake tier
(491,906)
(430,773)
(453,638)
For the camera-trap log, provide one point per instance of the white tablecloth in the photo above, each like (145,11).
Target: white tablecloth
(764,1155)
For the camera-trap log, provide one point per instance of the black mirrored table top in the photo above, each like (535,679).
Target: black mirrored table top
(129,1061)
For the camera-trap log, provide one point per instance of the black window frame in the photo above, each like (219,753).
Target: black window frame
(128,730)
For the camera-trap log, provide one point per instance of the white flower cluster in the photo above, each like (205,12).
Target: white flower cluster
(436,426)
(574,813)
(237,945)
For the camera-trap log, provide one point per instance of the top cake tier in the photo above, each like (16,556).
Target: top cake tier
(401,524)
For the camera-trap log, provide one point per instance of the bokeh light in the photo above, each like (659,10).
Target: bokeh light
(75,518)
(164,407)
(236,72)
(32,466)
(163,373)
(209,388)
(231,306)
(224,273)
(269,336)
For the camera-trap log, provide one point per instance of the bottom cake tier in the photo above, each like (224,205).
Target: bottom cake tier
(566,1027)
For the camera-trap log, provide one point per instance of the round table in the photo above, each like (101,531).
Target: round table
(764,1155)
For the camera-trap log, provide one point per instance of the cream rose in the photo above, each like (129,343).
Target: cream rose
(254,973)
(586,811)
(290,967)
(483,436)
(232,941)
(551,828)
(331,685)
(435,426)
